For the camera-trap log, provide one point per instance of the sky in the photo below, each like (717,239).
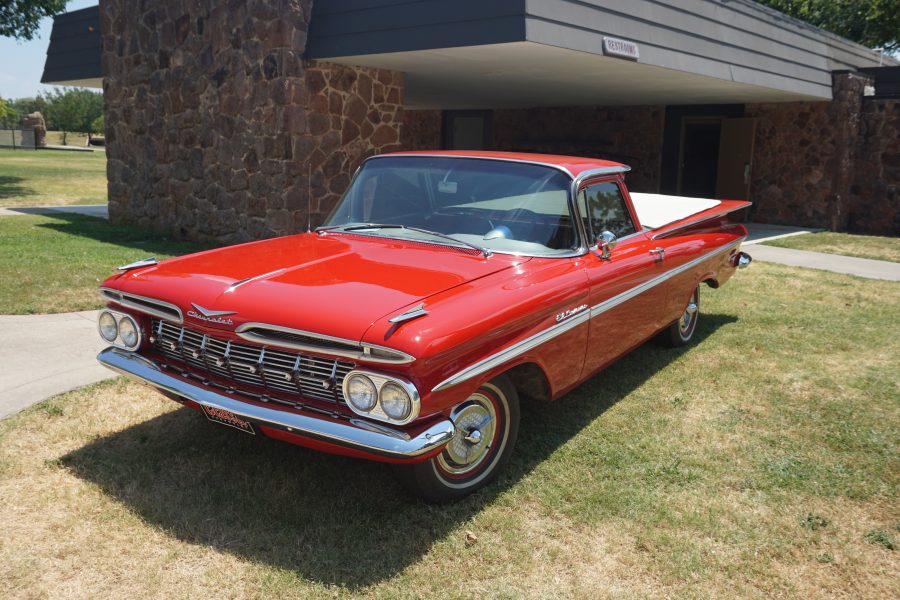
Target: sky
(22,63)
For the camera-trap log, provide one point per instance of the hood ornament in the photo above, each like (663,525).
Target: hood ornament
(211,316)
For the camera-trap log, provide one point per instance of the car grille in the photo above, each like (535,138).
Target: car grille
(289,372)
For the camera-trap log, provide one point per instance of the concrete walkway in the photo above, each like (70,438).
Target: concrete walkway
(763,232)
(91,210)
(44,355)
(862,267)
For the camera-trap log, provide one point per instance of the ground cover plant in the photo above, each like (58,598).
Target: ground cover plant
(51,177)
(760,462)
(846,244)
(55,263)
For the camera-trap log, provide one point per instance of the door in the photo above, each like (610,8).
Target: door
(699,157)
(468,129)
(621,318)
(735,159)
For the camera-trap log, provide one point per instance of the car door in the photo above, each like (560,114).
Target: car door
(627,296)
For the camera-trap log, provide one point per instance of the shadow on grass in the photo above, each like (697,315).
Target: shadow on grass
(127,236)
(10,187)
(329,519)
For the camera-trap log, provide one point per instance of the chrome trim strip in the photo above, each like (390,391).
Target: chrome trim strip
(513,351)
(241,282)
(599,309)
(370,439)
(548,334)
(122,298)
(413,313)
(364,352)
(146,262)
(380,380)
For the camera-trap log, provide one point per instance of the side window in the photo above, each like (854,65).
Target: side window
(606,210)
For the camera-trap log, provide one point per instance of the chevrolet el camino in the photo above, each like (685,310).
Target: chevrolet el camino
(442,288)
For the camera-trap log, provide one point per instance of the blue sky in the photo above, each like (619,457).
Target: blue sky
(21,63)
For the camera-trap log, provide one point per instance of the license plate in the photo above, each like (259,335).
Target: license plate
(226,417)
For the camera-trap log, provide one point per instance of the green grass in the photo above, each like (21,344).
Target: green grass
(51,177)
(845,244)
(762,461)
(55,263)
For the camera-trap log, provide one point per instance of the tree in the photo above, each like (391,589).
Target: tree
(98,126)
(20,19)
(872,23)
(71,109)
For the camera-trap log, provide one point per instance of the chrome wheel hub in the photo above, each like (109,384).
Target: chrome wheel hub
(690,314)
(475,421)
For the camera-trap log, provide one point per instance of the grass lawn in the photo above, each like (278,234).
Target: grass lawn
(55,263)
(51,177)
(760,462)
(846,244)
(54,138)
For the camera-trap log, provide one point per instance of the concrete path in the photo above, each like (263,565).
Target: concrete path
(763,232)
(91,210)
(863,267)
(44,355)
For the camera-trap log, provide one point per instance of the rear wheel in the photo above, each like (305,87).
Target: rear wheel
(486,426)
(681,331)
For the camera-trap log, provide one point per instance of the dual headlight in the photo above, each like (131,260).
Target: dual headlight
(381,397)
(119,329)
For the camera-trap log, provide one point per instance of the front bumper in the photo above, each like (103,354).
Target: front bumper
(355,434)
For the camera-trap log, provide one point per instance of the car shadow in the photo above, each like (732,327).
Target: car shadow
(329,519)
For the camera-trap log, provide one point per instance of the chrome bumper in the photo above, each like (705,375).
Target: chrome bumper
(355,434)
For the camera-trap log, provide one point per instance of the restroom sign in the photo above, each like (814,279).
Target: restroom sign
(620,48)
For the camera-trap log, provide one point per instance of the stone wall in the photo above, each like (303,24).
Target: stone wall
(214,120)
(875,190)
(834,164)
(422,130)
(630,134)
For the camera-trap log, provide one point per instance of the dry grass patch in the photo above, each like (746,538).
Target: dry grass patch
(846,244)
(51,177)
(756,463)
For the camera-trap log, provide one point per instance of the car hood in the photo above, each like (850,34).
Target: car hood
(335,284)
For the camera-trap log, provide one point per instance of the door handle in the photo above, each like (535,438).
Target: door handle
(658,253)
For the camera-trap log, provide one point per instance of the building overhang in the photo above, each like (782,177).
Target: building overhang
(522,53)
(73,55)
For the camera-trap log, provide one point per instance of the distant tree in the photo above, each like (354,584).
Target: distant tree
(72,110)
(10,115)
(20,19)
(98,126)
(872,23)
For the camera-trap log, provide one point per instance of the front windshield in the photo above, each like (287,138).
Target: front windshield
(502,206)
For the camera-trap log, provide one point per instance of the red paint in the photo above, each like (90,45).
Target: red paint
(348,286)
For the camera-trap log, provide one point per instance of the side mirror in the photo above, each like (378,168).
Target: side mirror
(606,243)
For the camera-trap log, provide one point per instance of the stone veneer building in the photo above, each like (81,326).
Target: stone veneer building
(228,119)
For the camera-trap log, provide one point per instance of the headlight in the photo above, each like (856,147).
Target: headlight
(109,329)
(361,393)
(395,402)
(128,332)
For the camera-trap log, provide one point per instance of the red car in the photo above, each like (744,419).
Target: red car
(442,287)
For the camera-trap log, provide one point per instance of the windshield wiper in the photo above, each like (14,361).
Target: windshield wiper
(485,251)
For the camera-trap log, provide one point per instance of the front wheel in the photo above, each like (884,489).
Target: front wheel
(486,424)
(681,331)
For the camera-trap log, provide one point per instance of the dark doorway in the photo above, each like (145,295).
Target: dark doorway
(468,130)
(699,163)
